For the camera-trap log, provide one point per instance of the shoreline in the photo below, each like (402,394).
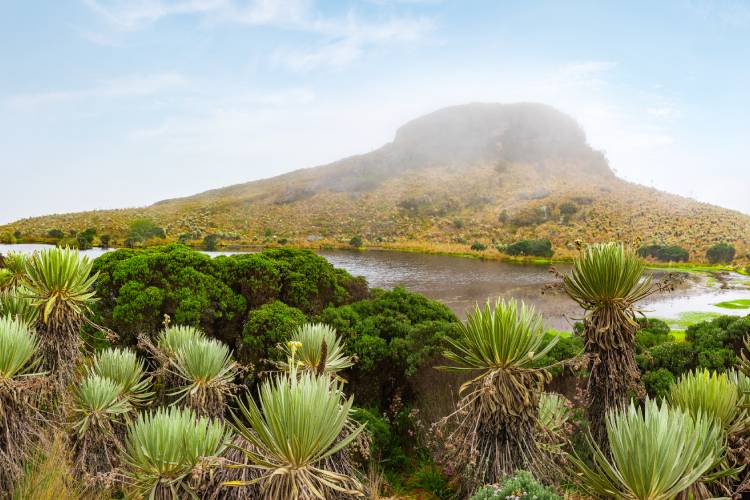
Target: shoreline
(444,249)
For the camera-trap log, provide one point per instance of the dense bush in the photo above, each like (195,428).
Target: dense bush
(521,485)
(478,247)
(387,447)
(720,252)
(85,239)
(356,241)
(537,248)
(568,208)
(529,217)
(392,334)
(138,287)
(658,382)
(211,242)
(710,345)
(270,324)
(664,253)
(566,348)
(677,357)
(253,302)
(141,230)
(652,333)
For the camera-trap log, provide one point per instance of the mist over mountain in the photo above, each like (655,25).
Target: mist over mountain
(489,173)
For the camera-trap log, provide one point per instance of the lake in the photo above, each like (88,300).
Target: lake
(461,282)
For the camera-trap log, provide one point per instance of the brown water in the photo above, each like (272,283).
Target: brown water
(461,282)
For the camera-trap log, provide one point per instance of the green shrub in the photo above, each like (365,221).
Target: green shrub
(386,447)
(658,382)
(478,247)
(566,348)
(654,325)
(392,334)
(356,241)
(210,242)
(664,253)
(537,248)
(720,253)
(269,325)
(529,217)
(138,287)
(568,208)
(676,357)
(521,481)
(142,230)
(652,333)
(56,233)
(431,479)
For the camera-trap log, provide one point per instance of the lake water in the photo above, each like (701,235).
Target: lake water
(461,282)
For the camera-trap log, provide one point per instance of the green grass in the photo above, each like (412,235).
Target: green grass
(687,319)
(563,334)
(678,335)
(735,304)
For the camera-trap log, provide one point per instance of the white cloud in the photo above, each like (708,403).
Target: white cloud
(340,39)
(131,15)
(122,87)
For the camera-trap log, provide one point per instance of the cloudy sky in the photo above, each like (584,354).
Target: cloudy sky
(116,103)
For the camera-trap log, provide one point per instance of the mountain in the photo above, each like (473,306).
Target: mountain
(471,173)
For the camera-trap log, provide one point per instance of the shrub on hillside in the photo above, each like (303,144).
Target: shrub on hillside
(529,217)
(356,241)
(478,247)
(536,248)
(720,253)
(568,208)
(664,253)
(142,230)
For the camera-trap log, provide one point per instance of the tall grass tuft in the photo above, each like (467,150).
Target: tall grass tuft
(656,453)
(60,283)
(297,423)
(99,411)
(168,454)
(607,280)
(321,350)
(20,388)
(206,372)
(125,369)
(493,430)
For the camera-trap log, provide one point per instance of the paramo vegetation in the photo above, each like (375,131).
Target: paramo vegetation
(162,373)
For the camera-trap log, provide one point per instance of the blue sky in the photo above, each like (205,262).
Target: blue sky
(109,103)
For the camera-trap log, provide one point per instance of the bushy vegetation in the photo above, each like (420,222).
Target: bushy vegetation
(392,334)
(664,253)
(721,252)
(536,248)
(138,287)
(710,345)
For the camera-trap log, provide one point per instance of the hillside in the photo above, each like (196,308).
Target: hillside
(472,173)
